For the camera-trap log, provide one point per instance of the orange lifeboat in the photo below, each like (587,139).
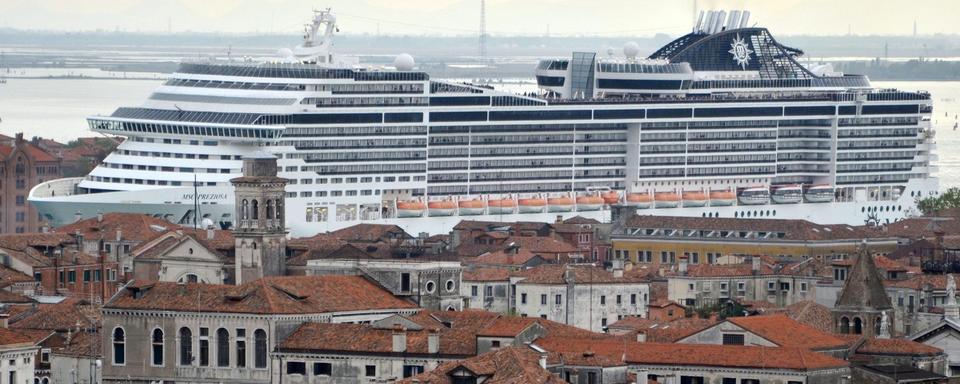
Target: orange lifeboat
(589,203)
(532,204)
(694,199)
(639,200)
(471,207)
(610,197)
(410,208)
(559,204)
(722,198)
(441,208)
(501,206)
(666,199)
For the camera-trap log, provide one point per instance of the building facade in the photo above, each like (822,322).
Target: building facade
(23,165)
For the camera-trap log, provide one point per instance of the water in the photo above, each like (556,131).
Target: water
(56,109)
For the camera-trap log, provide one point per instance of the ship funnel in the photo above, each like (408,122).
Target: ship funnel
(699,24)
(744,18)
(734,20)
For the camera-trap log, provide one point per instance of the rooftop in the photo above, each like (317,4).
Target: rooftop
(786,332)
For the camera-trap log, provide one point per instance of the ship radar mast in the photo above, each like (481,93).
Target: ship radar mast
(317,48)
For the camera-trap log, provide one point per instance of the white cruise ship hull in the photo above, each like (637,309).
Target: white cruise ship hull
(216,204)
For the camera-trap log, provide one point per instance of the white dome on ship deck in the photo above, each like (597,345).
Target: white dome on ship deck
(403,62)
(285,53)
(631,49)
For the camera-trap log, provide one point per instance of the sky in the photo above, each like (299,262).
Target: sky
(462,17)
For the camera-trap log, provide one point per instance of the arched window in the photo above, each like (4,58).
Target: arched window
(186,346)
(857,325)
(223,348)
(876,327)
(119,346)
(260,348)
(844,325)
(279,209)
(156,348)
(245,211)
(270,210)
(254,209)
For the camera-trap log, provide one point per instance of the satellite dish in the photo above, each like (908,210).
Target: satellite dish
(631,49)
(403,62)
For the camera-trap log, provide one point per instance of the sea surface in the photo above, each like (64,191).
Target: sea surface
(56,108)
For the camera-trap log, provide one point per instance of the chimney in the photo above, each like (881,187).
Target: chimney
(641,338)
(682,268)
(543,359)
(19,137)
(433,341)
(77,217)
(399,338)
(79,237)
(569,274)
(119,235)
(559,219)
(182,288)
(575,375)
(616,266)
(3,319)
(210,234)
(755,265)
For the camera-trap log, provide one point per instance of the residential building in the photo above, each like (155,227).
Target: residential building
(211,332)
(23,165)
(17,357)
(430,283)
(527,363)
(661,240)
(487,289)
(186,256)
(665,311)
(584,296)
(769,331)
(704,285)
(78,361)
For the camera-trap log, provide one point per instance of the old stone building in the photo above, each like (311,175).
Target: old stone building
(429,283)
(704,285)
(863,306)
(260,229)
(23,165)
(183,256)
(188,332)
(487,289)
(587,297)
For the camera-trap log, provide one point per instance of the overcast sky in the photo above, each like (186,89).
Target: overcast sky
(460,17)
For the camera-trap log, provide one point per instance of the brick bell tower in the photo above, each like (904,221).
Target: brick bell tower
(259,228)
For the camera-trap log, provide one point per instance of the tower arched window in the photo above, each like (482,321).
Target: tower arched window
(270,212)
(260,348)
(844,325)
(156,347)
(857,325)
(186,346)
(876,327)
(119,346)
(245,210)
(254,210)
(279,211)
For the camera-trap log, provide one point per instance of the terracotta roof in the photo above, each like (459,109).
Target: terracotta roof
(919,282)
(21,241)
(370,232)
(864,285)
(132,227)
(511,365)
(663,303)
(10,276)
(875,346)
(917,227)
(581,220)
(315,337)
(10,337)
(811,313)
(790,228)
(703,355)
(786,332)
(486,274)
(663,331)
(268,295)
(82,344)
(725,270)
(555,274)
(7,297)
(163,242)
(476,225)
(513,257)
(64,315)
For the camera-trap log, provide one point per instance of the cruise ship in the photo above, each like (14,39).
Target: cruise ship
(724,121)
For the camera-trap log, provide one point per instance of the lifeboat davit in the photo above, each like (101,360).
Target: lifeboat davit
(559,204)
(532,205)
(501,206)
(639,200)
(666,199)
(754,196)
(441,208)
(471,207)
(610,197)
(819,194)
(788,194)
(694,199)
(410,208)
(589,203)
(722,198)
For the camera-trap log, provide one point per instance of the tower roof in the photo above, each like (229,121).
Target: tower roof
(864,286)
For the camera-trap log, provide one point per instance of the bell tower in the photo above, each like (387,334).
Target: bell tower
(259,227)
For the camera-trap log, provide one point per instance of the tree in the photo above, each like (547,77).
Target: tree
(949,199)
